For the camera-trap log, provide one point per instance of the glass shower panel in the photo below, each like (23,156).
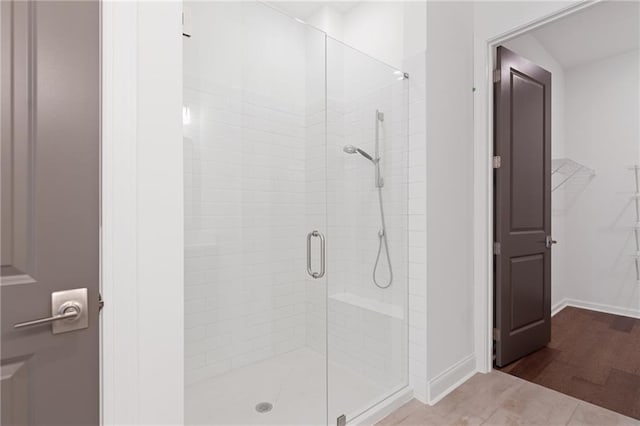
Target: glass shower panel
(254,150)
(367,179)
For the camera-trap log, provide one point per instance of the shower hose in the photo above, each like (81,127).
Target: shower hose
(382,239)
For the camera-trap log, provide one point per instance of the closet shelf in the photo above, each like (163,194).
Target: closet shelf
(564,169)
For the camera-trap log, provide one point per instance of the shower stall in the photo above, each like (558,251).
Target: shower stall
(296,251)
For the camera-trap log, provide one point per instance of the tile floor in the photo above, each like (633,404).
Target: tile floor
(501,399)
(293,382)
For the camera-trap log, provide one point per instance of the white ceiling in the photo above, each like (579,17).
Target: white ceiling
(605,29)
(304,9)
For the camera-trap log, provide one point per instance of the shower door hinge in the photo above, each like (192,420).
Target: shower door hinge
(497,76)
(496,248)
(496,334)
(497,162)
(341,421)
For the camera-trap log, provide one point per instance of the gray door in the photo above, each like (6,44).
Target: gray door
(522,197)
(50,91)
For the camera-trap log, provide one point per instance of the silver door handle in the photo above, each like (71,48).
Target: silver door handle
(310,271)
(67,311)
(548,241)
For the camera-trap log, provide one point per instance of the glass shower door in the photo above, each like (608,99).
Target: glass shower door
(367,181)
(255,171)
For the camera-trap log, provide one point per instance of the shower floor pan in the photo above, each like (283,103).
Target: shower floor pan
(294,383)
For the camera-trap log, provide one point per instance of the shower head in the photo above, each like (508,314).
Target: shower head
(350,149)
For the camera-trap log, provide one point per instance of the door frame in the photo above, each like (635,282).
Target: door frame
(142,324)
(483,182)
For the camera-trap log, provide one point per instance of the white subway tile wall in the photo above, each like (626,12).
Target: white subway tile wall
(245,200)
(417,231)
(367,325)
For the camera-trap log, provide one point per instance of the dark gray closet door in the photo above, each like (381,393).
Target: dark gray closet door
(51,104)
(522,292)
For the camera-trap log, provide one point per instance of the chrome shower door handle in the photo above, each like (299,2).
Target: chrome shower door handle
(322,255)
(310,271)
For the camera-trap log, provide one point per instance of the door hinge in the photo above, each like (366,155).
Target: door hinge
(341,420)
(497,76)
(185,26)
(497,247)
(497,162)
(496,334)
(100,302)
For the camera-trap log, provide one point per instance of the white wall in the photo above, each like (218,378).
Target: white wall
(449,192)
(529,47)
(602,106)
(329,20)
(375,28)
(160,214)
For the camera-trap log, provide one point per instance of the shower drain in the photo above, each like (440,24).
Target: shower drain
(264,407)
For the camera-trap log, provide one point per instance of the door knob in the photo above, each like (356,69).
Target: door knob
(68,312)
(548,241)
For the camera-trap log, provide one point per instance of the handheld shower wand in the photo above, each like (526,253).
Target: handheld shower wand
(350,149)
(379,183)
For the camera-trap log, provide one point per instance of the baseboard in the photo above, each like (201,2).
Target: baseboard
(599,307)
(447,381)
(422,397)
(383,408)
(558,307)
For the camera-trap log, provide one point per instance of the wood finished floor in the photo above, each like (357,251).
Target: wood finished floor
(501,399)
(592,356)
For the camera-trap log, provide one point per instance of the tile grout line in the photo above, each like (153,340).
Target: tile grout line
(573,412)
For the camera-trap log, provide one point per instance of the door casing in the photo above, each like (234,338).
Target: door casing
(483,190)
(142,221)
